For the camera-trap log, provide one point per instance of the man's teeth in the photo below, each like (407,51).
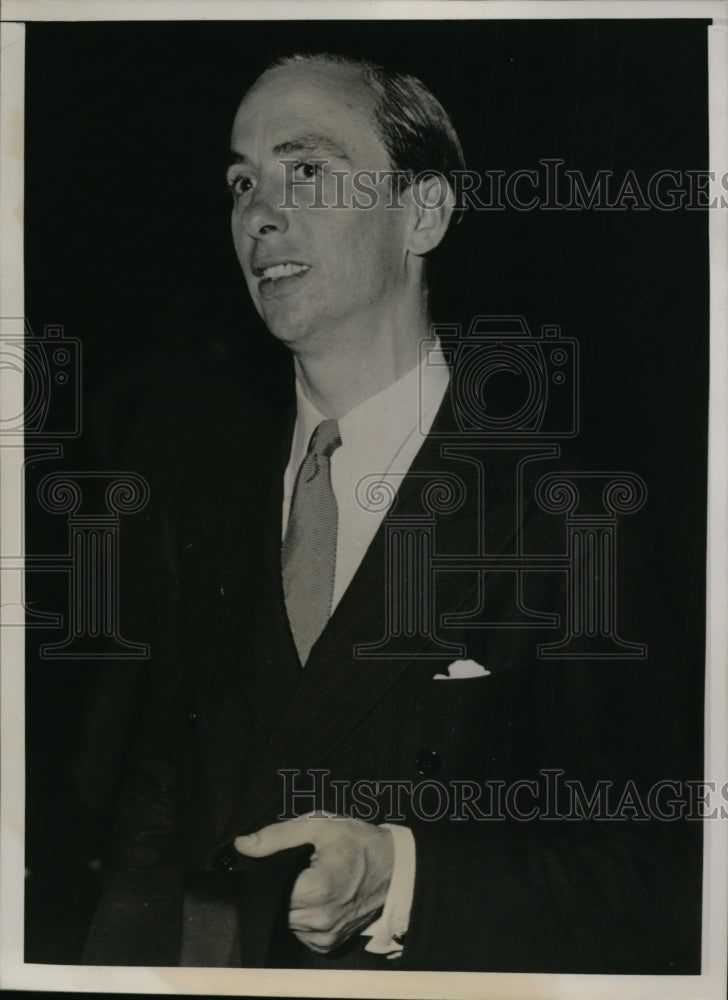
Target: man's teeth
(283,270)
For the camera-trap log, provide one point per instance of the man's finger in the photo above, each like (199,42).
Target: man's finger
(321,942)
(277,837)
(311,888)
(316,920)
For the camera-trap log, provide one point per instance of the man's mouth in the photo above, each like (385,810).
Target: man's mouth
(279,278)
(275,271)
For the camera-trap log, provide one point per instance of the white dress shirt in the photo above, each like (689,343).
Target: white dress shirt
(380,436)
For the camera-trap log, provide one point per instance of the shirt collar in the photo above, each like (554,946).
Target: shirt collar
(376,428)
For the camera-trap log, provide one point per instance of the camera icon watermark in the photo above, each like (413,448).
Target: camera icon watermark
(538,378)
(40,409)
(487,474)
(42,382)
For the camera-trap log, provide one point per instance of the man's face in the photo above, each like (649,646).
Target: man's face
(314,272)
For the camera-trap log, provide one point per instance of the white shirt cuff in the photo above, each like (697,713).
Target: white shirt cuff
(387,932)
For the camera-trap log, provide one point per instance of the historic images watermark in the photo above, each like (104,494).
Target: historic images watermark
(318,183)
(522,437)
(551,796)
(44,410)
(546,413)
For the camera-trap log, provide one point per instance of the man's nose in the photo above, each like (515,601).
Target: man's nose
(263,213)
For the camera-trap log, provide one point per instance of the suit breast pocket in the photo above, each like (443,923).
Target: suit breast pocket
(473,718)
(447,722)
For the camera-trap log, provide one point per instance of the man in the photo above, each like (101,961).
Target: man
(286,664)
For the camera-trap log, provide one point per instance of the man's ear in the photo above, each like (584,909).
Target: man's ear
(432,203)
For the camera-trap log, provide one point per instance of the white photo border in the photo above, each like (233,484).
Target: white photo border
(14,973)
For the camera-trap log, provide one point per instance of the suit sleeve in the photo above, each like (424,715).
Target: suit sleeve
(137,921)
(597,899)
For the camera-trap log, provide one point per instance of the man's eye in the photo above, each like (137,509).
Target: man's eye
(306,169)
(239,185)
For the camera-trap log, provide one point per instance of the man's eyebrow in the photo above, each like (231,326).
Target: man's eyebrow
(311,143)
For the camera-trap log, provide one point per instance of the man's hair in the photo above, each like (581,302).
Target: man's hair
(413,126)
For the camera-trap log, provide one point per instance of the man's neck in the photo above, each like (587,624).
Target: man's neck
(351,369)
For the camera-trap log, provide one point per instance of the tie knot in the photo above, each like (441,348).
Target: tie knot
(325,439)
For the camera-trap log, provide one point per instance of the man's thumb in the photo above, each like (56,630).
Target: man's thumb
(248,845)
(270,839)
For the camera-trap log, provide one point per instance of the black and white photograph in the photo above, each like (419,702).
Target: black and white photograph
(364,528)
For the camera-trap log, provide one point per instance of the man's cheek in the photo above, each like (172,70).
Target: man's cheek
(253,292)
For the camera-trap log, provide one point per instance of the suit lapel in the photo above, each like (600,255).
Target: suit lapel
(338,687)
(271,669)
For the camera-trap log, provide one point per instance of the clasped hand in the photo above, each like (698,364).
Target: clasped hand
(346,882)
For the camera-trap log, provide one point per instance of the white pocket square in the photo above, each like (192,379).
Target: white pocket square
(460,670)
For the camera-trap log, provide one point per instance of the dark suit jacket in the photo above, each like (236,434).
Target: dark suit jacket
(231,707)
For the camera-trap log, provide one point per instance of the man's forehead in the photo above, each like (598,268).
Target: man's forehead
(315,93)
(343,79)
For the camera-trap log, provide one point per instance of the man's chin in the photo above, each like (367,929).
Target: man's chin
(285,325)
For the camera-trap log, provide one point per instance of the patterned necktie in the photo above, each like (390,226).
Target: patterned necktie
(308,556)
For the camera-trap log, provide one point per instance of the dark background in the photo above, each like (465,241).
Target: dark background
(128,247)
